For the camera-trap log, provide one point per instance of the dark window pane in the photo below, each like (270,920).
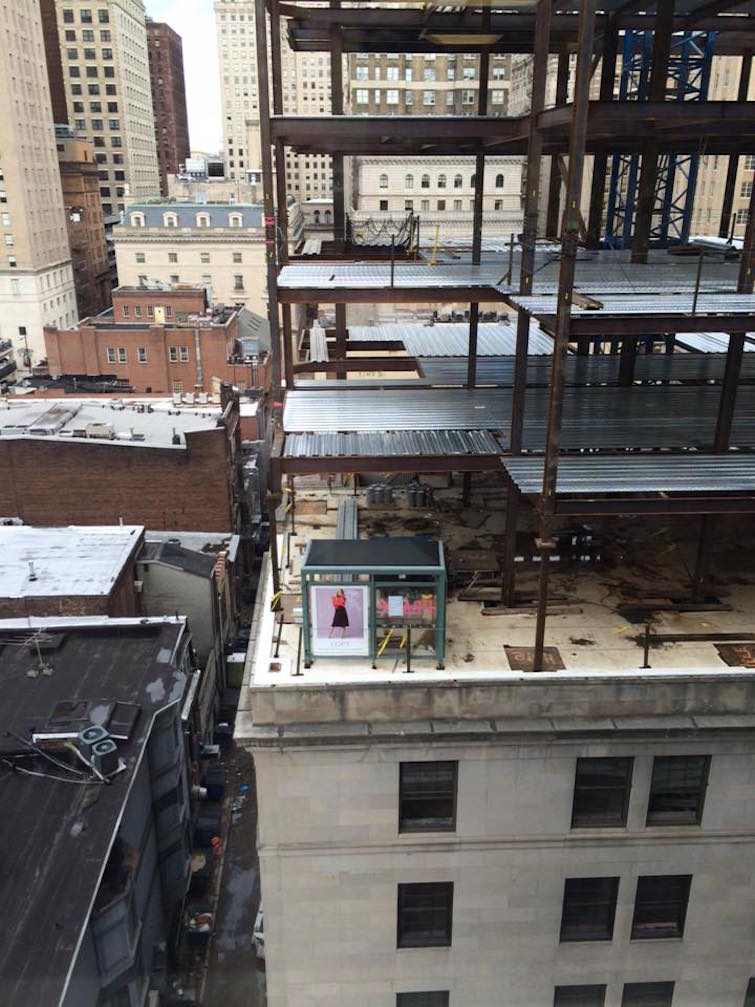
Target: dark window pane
(589,909)
(424,915)
(437,998)
(677,790)
(647,995)
(427,796)
(579,996)
(601,792)
(661,906)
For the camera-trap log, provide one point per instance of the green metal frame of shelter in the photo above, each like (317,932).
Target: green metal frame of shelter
(380,564)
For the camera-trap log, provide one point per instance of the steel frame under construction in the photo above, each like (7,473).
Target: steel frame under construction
(652,130)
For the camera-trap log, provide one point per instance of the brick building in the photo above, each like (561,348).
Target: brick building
(157,341)
(77,461)
(69,571)
(79,179)
(166,71)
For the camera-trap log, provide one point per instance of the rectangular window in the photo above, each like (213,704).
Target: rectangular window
(126,311)
(408,204)
(138,311)
(589,909)
(184,354)
(425,205)
(441,204)
(140,257)
(383,204)
(238,281)
(204,257)
(428,98)
(424,917)
(601,787)
(150,311)
(677,790)
(427,796)
(429,73)
(391,73)
(363,96)
(178,387)
(742,216)
(498,204)
(173,351)
(67,17)
(408,98)
(438,998)
(172,256)
(111,354)
(660,906)
(408,74)
(750,162)
(122,355)
(579,996)
(237,257)
(746,189)
(467,97)
(391,97)
(141,353)
(647,995)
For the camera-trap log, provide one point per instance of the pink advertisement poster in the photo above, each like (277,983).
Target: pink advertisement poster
(339,617)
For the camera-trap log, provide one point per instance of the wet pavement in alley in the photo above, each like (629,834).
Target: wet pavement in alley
(235,978)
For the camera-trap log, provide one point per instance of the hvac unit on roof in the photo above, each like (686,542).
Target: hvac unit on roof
(105,756)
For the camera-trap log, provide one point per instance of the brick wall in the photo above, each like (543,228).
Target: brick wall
(53,482)
(84,351)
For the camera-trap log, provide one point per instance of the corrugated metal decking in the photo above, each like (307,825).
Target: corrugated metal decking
(649,304)
(648,416)
(451,339)
(404,443)
(360,275)
(689,473)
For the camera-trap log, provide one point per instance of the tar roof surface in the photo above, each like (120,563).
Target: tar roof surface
(56,836)
(78,560)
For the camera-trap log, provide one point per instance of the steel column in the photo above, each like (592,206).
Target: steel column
(727,403)
(479,189)
(569,238)
(554,186)
(600,161)
(731,171)
(648,171)
(529,226)
(508,573)
(267,194)
(288,347)
(336,104)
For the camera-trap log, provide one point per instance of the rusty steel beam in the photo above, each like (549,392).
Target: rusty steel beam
(356,364)
(600,160)
(569,236)
(391,463)
(554,185)
(387,295)
(615,327)
(543,14)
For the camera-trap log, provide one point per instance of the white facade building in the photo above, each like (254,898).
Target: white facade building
(36,276)
(440,191)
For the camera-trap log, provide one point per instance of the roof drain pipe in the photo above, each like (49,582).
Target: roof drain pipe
(198,351)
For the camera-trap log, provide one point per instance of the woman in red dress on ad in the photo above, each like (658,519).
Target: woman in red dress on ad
(340,615)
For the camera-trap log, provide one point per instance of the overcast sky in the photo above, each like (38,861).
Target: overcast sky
(194,20)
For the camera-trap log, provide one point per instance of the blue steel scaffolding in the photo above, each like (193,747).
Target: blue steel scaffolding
(688,78)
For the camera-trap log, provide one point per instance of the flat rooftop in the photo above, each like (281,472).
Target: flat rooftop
(78,560)
(599,608)
(151,422)
(56,833)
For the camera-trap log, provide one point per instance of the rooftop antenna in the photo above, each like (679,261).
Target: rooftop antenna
(32,571)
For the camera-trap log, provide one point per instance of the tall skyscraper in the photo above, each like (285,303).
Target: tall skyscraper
(306,88)
(166,70)
(36,277)
(108,93)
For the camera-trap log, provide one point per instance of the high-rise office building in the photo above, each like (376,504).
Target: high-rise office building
(306,89)
(166,69)
(36,277)
(108,93)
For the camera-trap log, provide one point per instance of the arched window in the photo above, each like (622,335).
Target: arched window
(170,220)
(458,181)
(441,181)
(317,216)
(425,181)
(471,182)
(409,181)
(235,220)
(499,181)
(137,220)
(203,220)
(383,181)
(328,216)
